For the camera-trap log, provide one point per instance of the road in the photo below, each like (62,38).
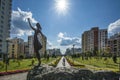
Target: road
(62,64)
(19,76)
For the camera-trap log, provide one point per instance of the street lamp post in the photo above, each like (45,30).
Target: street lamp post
(119,61)
(73,51)
(73,48)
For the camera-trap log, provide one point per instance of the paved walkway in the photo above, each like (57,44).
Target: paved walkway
(63,63)
(19,76)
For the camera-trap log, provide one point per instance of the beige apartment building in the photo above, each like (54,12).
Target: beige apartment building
(16,48)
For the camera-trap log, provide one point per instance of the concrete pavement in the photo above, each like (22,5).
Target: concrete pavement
(19,76)
(62,63)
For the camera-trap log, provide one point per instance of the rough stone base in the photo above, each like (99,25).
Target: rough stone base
(51,73)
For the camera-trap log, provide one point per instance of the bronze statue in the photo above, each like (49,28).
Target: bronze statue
(37,42)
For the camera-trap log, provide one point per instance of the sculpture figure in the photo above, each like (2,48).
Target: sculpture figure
(37,43)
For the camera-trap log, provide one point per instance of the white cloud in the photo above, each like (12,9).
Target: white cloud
(19,24)
(60,35)
(49,44)
(68,41)
(65,41)
(114,27)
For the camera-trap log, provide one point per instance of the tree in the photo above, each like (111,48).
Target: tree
(107,52)
(21,57)
(114,58)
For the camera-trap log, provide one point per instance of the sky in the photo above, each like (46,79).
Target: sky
(64,21)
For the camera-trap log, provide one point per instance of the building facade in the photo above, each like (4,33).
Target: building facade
(70,51)
(55,51)
(114,44)
(30,45)
(103,37)
(5,18)
(16,48)
(26,49)
(94,40)
(86,41)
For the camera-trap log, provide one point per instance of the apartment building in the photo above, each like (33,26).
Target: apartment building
(114,44)
(94,40)
(5,18)
(54,51)
(16,48)
(26,49)
(103,35)
(30,45)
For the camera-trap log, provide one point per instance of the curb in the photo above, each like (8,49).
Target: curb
(13,72)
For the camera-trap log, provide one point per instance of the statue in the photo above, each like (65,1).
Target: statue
(37,42)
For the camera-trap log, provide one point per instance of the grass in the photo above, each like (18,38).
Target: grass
(98,64)
(55,62)
(24,64)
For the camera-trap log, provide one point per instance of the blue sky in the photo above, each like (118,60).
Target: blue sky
(64,30)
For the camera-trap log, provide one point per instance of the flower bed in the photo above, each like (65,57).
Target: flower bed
(75,64)
(13,72)
(54,63)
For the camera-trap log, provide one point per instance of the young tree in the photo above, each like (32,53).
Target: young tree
(114,58)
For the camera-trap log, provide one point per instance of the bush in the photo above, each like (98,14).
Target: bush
(54,63)
(1,64)
(75,64)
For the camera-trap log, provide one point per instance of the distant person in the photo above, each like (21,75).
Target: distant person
(63,61)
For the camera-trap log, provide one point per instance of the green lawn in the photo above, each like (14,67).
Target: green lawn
(24,64)
(98,64)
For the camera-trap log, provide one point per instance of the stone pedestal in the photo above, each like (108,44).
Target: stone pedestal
(51,73)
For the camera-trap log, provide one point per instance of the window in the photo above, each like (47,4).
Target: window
(2,17)
(1,32)
(2,22)
(1,26)
(2,12)
(2,7)
(13,45)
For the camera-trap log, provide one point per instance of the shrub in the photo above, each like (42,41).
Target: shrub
(1,64)
(54,63)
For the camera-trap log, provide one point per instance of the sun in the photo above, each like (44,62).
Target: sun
(61,6)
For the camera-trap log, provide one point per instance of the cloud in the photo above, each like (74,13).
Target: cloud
(49,44)
(19,24)
(114,27)
(60,35)
(68,41)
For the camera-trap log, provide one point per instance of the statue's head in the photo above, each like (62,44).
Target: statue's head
(38,26)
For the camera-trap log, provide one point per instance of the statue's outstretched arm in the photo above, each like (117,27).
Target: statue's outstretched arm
(30,24)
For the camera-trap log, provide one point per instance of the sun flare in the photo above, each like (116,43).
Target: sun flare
(61,6)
